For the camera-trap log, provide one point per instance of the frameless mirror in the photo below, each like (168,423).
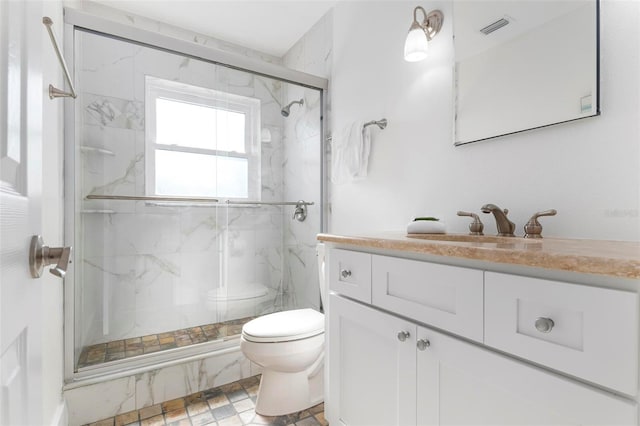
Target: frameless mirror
(523,65)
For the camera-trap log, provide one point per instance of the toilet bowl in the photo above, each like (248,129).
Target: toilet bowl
(289,346)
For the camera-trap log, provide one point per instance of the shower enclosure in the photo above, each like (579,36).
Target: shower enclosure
(193,197)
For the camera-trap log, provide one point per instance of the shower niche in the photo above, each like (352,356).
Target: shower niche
(186,175)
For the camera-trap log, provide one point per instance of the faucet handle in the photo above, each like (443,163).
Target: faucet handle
(475,227)
(533,228)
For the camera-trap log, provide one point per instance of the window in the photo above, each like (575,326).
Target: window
(201,142)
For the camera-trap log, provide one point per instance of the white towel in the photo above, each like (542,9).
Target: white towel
(350,149)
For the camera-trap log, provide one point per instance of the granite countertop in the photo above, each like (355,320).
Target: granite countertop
(612,258)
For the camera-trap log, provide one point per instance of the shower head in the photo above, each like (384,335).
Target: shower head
(287,109)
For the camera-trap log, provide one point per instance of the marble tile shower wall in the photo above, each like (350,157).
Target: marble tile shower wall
(149,268)
(303,145)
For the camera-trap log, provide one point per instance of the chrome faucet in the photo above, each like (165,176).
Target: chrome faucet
(504,225)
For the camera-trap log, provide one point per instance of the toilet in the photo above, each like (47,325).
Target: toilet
(289,346)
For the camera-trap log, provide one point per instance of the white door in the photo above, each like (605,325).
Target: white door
(461,384)
(21,97)
(371,372)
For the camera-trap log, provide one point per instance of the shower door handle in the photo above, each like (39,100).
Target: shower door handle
(41,256)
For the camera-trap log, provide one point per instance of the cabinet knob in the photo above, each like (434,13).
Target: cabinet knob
(423,344)
(346,273)
(544,325)
(403,335)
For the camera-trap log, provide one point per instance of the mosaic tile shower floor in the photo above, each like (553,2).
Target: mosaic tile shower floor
(120,349)
(228,405)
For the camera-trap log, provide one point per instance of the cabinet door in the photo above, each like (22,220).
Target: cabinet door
(461,383)
(371,372)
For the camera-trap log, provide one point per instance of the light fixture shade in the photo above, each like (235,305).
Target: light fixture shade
(416,44)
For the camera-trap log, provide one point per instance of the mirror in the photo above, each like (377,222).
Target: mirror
(523,65)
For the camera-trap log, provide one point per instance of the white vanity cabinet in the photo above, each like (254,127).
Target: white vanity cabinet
(386,365)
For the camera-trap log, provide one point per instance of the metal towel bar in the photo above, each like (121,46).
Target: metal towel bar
(53,91)
(152,198)
(382,124)
(195,200)
(272,203)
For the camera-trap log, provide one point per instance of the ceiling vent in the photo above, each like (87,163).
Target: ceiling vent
(494,26)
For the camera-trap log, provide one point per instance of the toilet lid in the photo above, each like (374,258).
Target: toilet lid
(284,326)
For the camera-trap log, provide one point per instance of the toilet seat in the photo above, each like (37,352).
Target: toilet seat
(284,326)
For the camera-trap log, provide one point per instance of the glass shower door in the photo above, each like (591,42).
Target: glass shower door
(181,168)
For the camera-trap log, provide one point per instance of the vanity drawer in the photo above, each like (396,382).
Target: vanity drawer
(593,334)
(350,274)
(446,297)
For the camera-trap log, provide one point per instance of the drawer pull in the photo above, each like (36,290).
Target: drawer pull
(346,273)
(544,325)
(423,344)
(403,335)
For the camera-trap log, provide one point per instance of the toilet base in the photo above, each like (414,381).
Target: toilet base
(285,393)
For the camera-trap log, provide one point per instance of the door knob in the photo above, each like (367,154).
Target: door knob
(41,256)
(346,273)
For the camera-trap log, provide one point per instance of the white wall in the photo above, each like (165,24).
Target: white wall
(588,170)
(52,223)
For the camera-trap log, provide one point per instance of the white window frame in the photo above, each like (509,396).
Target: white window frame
(157,88)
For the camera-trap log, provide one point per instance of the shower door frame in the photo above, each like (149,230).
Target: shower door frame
(78,20)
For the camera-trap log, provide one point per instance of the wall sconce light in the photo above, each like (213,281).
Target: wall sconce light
(420,34)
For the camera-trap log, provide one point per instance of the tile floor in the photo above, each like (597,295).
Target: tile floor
(228,405)
(127,348)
